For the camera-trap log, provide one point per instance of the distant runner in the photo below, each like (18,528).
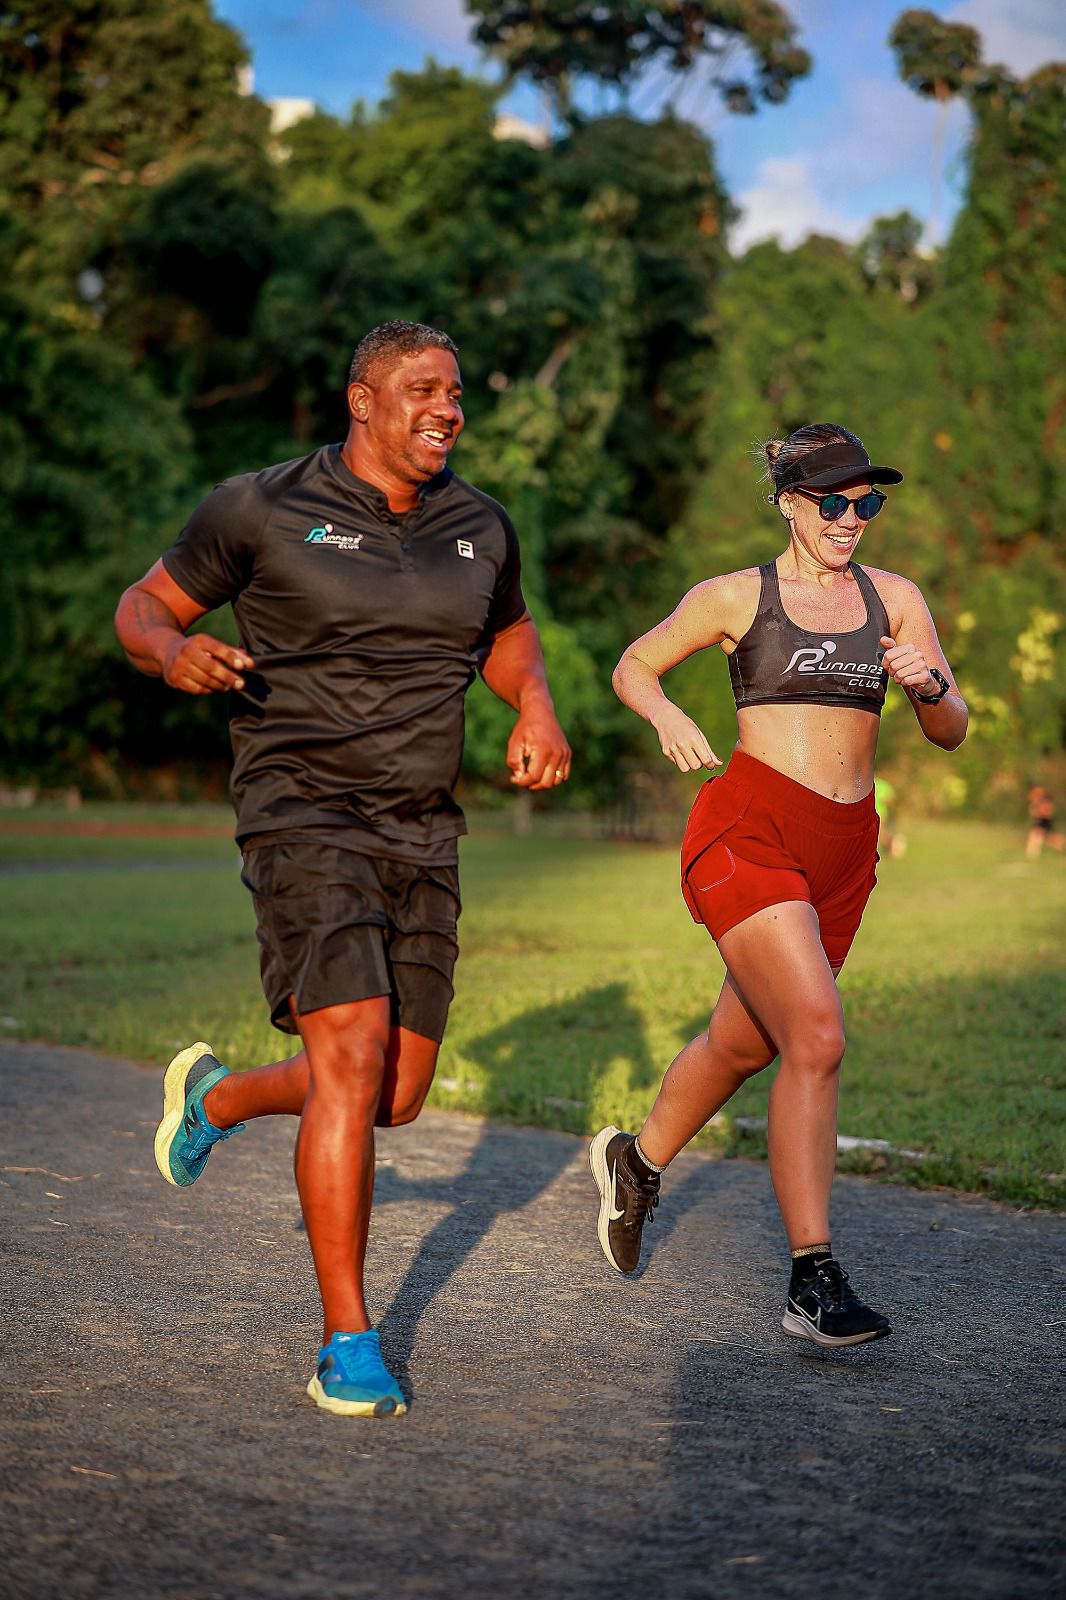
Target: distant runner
(889,842)
(1042,829)
(778,856)
(369,584)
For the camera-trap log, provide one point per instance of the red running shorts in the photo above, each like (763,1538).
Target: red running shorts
(756,838)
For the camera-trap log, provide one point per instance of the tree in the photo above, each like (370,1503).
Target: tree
(997,327)
(618,363)
(891,257)
(962,384)
(937,59)
(555,42)
(100,99)
(97,465)
(997,360)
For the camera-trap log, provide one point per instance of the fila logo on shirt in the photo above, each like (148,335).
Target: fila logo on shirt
(465,548)
(341,541)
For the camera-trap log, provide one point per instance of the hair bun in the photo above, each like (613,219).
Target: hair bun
(772,449)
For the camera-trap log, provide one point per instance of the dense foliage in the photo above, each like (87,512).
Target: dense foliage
(556,41)
(182,290)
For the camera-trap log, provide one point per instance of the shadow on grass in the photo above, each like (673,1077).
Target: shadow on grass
(570,1047)
(961,1074)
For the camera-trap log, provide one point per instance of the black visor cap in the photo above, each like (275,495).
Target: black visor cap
(833,465)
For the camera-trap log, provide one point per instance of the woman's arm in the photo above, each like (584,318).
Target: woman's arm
(703,618)
(908,658)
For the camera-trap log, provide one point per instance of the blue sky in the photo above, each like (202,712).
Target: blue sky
(850,144)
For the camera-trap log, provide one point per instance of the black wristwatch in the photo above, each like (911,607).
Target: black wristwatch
(934,699)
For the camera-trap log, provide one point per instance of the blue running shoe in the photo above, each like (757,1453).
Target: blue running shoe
(185,1136)
(353,1381)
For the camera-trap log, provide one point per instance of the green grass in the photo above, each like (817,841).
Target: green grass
(581,976)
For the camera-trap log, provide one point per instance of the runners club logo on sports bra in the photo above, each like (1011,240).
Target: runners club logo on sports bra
(778,662)
(814,659)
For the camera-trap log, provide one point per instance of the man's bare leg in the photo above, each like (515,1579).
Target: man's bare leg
(345,1047)
(280,1088)
(355,1071)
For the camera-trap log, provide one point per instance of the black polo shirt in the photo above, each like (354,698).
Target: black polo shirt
(364,626)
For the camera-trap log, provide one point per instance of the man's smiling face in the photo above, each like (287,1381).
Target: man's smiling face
(412,414)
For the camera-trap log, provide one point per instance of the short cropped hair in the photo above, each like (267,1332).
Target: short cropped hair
(390,342)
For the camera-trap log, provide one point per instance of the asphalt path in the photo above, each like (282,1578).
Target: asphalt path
(571,1432)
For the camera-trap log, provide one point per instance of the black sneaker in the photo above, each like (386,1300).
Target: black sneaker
(626,1201)
(826,1309)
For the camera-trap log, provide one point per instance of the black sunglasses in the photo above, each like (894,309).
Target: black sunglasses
(832,506)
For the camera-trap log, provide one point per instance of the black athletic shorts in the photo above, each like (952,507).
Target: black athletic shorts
(335,925)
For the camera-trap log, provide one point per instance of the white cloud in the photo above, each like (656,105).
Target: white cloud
(1019,34)
(784,204)
(442,22)
(889,139)
(883,129)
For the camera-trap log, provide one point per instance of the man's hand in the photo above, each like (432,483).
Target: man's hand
(151,622)
(681,741)
(537,752)
(907,666)
(203,665)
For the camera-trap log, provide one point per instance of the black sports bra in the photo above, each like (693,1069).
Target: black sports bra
(778,662)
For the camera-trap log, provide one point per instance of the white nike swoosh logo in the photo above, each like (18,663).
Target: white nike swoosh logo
(612,1213)
(815,1321)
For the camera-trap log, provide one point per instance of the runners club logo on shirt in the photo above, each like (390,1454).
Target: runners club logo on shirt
(340,541)
(814,659)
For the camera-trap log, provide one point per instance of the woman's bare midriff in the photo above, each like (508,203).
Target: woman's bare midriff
(827,749)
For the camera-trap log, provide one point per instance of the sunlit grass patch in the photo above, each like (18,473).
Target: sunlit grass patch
(581,976)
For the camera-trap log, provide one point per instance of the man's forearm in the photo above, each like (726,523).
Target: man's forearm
(147,630)
(514,668)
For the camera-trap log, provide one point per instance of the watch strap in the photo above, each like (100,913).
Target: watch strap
(934,699)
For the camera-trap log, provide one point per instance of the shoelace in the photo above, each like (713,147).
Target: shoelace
(643,1197)
(356,1363)
(839,1294)
(203,1133)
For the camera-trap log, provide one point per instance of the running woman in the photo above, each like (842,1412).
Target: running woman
(778,855)
(369,584)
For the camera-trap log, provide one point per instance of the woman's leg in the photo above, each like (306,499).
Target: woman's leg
(700,1080)
(707,1072)
(776,960)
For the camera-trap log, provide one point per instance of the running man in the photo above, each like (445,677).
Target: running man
(369,583)
(778,856)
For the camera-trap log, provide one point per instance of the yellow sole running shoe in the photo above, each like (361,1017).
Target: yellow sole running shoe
(185,1137)
(352,1380)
